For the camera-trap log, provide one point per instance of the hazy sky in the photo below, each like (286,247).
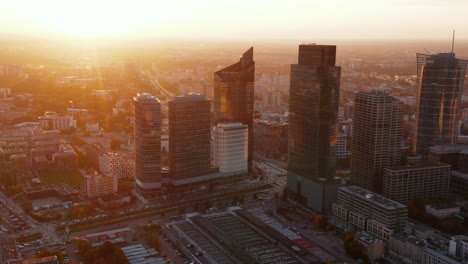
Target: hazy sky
(301,20)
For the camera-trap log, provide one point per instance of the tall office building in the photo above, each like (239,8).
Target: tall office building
(377,133)
(189,137)
(230,147)
(440,86)
(147,144)
(234,95)
(313,111)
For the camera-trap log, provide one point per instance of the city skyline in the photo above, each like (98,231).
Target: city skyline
(233,132)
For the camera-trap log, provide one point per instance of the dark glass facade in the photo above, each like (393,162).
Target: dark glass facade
(148,144)
(377,134)
(189,137)
(440,86)
(313,110)
(234,95)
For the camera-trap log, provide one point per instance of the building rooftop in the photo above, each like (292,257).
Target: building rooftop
(372,197)
(61,188)
(446,259)
(146,97)
(366,238)
(443,206)
(138,254)
(449,149)
(109,233)
(189,98)
(420,165)
(231,125)
(460,238)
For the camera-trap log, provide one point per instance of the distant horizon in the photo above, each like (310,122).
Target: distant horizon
(254,20)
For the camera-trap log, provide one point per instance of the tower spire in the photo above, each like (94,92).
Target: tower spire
(453,39)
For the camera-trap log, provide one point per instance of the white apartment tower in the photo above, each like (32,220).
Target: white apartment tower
(231,147)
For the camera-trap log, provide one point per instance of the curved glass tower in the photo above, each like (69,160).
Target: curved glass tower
(234,95)
(440,87)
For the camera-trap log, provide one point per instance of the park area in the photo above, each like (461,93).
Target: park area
(73,178)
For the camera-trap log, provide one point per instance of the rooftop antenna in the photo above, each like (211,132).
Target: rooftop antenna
(453,39)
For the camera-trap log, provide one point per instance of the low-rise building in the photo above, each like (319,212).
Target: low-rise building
(139,254)
(373,248)
(61,191)
(100,184)
(358,209)
(103,236)
(442,210)
(458,248)
(410,249)
(118,164)
(53,121)
(423,180)
(92,127)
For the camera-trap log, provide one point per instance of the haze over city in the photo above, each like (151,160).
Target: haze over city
(300,20)
(233,132)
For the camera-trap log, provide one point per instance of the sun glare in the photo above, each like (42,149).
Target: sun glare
(90,18)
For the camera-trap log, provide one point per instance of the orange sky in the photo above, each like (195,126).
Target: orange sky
(300,20)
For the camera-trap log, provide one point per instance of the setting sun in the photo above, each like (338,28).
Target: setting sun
(87,18)
(260,19)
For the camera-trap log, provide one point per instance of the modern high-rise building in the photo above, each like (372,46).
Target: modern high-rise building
(234,95)
(440,86)
(189,137)
(230,147)
(272,98)
(377,133)
(147,144)
(348,111)
(313,111)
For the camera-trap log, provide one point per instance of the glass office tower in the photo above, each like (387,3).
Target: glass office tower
(147,144)
(313,110)
(440,87)
(189,137)
(234,95)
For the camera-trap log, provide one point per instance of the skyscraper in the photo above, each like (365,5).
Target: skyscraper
(313,111)
(230,147)
(189,137)
(148,144)
(234,95)
(377,133)
(440,86)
